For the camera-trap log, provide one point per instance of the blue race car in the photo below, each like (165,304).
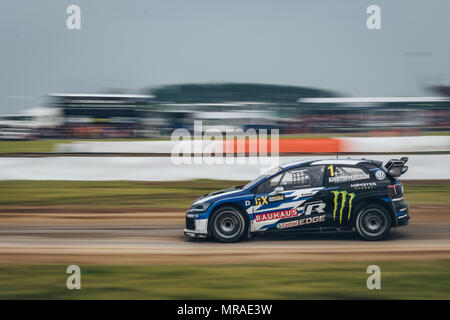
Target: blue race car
(317,195)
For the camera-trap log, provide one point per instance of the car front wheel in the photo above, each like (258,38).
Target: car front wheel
(373,223)
(228,225)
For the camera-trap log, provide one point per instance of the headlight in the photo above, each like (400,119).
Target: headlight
(201,207)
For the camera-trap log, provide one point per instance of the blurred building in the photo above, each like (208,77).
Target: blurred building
(233,105)
(101,115)
(291,109)
(382,114)
(34,123)
(442,90)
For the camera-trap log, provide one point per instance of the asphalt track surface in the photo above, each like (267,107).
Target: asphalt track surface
(159,239)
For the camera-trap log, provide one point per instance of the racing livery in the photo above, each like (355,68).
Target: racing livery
(316,195)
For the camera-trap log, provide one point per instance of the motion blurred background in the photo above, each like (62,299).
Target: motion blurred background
(294,110)
(142,70)
(86,118)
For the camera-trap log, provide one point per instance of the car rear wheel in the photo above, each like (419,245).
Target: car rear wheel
(228,225)
(373,223)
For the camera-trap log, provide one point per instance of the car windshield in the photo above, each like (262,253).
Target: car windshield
(254,182)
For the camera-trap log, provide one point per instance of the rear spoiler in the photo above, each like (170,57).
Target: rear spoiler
(396,167)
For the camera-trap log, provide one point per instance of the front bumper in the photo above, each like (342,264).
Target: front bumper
(196,226)
(193,234)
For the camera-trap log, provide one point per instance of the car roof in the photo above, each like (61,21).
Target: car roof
(337,161)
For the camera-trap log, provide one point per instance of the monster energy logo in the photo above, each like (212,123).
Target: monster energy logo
(343,202)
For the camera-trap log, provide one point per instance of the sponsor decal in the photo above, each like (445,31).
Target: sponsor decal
(266,199)
(343,197)
(380,175)
(301,222)
(348,178)
(288,224)
(276,215)
(261,200)
(314,207)
(311,220)
(279,197)
(363,185)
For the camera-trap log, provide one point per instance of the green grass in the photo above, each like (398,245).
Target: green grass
(175,195)
(44,146)
(28,146)
(179,194)
(427,193)
(318,280)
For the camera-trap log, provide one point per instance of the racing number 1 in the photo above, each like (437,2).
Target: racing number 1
(331,170)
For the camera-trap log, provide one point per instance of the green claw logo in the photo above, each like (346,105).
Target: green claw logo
(343,202)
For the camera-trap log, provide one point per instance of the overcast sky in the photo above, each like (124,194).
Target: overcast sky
(142,43)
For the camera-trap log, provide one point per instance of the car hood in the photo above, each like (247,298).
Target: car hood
(217,195)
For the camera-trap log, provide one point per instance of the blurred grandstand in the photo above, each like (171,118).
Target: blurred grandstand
(103,115)
(293,110)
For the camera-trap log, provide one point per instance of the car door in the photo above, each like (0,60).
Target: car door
(290,200)
(344,184)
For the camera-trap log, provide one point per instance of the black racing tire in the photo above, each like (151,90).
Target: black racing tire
(373,223)
(228,224)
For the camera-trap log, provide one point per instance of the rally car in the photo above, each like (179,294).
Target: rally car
(316,195)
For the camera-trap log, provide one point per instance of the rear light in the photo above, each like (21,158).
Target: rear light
(395,190)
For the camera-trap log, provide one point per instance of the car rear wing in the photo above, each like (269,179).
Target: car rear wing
(396,167)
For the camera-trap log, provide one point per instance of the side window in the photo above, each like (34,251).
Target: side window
(269,185)
(297,178)
(275,181)
(342,174)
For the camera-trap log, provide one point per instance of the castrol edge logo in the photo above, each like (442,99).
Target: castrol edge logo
(276,215)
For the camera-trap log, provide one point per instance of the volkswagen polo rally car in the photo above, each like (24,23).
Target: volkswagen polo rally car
(316,195)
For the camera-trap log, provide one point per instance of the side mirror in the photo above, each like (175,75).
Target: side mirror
(278,190)
(404,169)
